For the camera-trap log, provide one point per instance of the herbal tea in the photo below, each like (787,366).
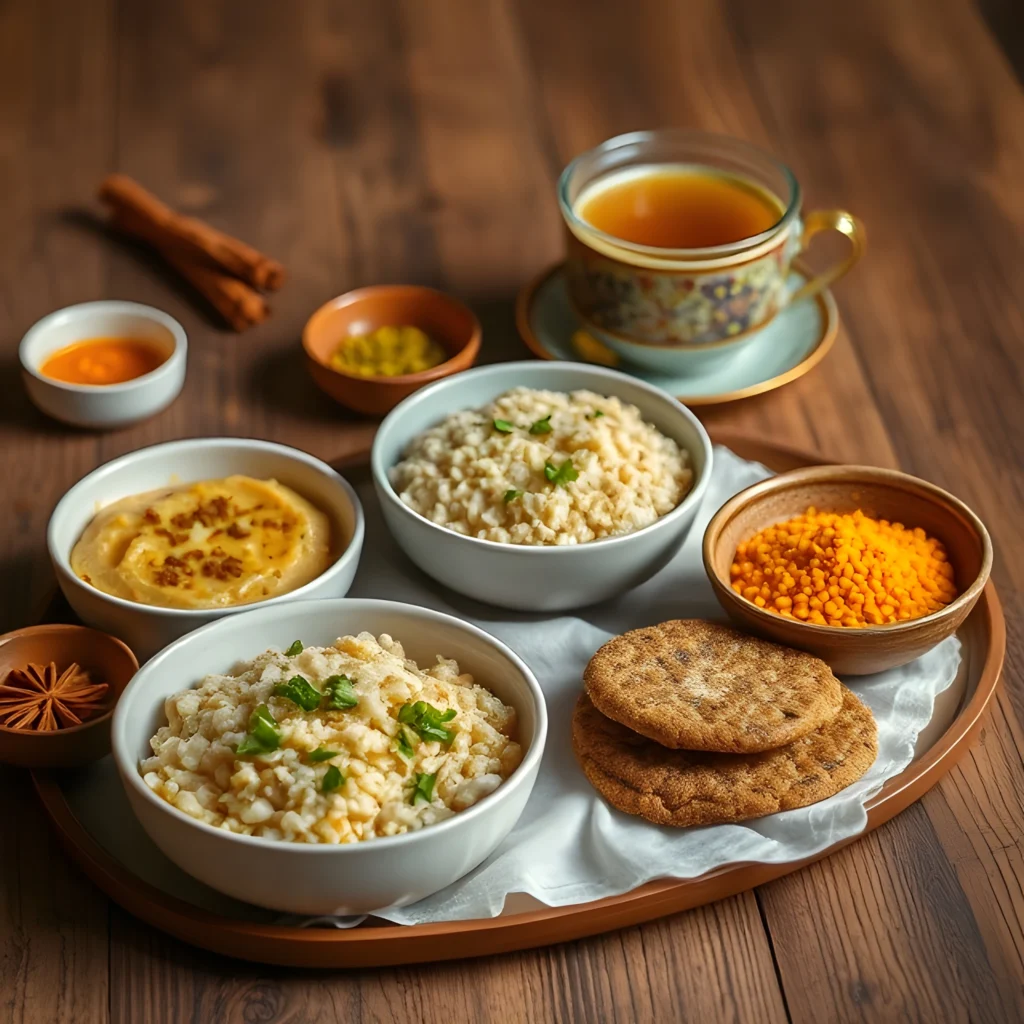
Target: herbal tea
(678,207)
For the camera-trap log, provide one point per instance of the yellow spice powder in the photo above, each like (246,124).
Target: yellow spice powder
(844,570)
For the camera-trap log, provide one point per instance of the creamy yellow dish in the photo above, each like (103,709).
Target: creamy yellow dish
(211,544)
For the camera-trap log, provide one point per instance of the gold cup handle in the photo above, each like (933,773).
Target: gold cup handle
(831,220)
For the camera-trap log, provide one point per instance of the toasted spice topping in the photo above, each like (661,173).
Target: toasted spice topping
(222,568)
(209,514)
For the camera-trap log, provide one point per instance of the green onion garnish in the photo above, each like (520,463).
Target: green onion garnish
(340,693)
(262,737)
(542,426)
(299,691)
(594,415)
(321,754)
(504,427)
(405,742)
(511,495)
(427,721)
(332,780)
(296,648)
(424,788)
(560,475)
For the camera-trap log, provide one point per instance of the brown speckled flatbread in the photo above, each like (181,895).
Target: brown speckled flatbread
(681,788)
(696,685)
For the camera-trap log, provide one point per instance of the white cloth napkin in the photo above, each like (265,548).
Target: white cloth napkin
(572,847)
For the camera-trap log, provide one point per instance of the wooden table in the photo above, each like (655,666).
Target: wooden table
(420,142)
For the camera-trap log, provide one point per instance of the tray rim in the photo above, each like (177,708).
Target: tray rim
(385,944)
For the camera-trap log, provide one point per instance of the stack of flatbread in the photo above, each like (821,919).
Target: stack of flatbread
(693,723)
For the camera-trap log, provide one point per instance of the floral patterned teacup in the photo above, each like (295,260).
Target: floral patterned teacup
(676,310)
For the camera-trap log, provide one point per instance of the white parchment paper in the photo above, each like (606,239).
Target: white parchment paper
(570,846)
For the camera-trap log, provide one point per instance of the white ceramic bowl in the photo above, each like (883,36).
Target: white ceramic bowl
(104,405)
(354,878)
(525,577)
(147,628)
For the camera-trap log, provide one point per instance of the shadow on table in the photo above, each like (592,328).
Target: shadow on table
(16,410)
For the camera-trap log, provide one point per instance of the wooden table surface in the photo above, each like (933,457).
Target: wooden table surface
(420,142)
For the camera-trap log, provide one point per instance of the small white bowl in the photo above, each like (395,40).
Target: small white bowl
(527,577)
(355,878)
(104,406)
(147,628)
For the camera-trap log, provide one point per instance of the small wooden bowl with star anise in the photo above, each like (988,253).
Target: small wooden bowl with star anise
(58,688)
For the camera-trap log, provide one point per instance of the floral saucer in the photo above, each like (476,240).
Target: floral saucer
(795,341)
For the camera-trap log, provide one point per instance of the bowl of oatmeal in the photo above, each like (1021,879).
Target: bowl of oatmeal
(541,486)
(330,757)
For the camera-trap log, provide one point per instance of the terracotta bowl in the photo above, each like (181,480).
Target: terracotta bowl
(445,319)
(105,658)
(882,493)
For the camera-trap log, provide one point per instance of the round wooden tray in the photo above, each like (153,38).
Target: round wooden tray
(375,943)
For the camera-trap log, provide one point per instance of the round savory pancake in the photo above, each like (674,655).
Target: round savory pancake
(695,685)
(682,787)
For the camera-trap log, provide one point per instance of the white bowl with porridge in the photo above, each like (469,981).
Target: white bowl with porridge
(330,757)
(541,486)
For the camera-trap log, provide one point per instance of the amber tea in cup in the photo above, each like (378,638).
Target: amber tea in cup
(667,207)
(679,244)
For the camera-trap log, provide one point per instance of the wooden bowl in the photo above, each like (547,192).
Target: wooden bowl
(881,493)
(444,318)
(104,657)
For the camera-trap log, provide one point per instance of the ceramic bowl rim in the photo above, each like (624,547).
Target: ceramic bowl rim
(129,770)
(869,474)
(690,501)
(111,306)
(62,559)
(63,627)
(467,351)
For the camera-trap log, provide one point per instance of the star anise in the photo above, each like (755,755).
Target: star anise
(41,698)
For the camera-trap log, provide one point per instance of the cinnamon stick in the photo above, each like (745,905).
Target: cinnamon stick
(236,302)
(194,236)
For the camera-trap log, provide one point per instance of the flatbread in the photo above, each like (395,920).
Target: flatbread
(682,788)
(695,685)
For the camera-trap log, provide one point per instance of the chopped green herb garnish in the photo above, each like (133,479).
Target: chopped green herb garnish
(427,721)
(340,693)
(542,426)
(405,742)
(560,475)
(424,788)
(296,648)
(321,754)
(332,780)
(594,415)
(262,737)
(511,495)
(504,426)
(299,691)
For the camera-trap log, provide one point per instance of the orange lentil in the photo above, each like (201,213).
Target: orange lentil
(844,570)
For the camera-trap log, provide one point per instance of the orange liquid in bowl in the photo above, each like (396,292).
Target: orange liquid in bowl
(103,361)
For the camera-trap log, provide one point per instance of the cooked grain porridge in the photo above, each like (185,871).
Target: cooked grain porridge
(543,467)
(332,744)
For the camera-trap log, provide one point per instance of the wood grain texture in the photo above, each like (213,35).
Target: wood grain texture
(403,141)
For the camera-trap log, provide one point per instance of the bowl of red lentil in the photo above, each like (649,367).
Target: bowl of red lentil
(866,568)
